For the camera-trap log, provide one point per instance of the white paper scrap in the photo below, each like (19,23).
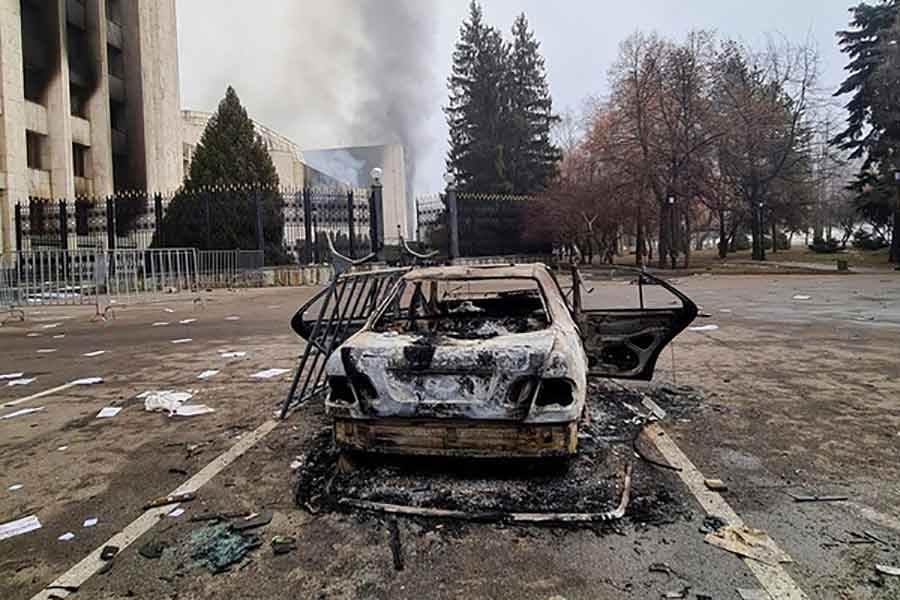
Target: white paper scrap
(51,326)
(15,487)
(233,354)
(725,310)
(19,526)
(20,412)
(94,353)
(66,536)
(168,310)
(269,373)
(182,341)
(208,373)
(192,410)
(187,321)
(33,335)
(11,376)
(109,411)
(59,337)
(164,400)
(176,513)
(61,448)
(801,297)
(232,318)
(90,522)
(46,350)
(24,381)
(160,324)
(704,328)
(88,381)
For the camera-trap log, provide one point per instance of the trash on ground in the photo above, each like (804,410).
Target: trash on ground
(193,410)
(88,381)
(164,400)
(176,513)
(232,354)
(109,552)
(217,547)
(21,412)
(61,448)
(282,544)
(716,485)
(168,310)
(801,297)
(187,321)
(269,373)
(59,337)
(725,310)
(90,522)
(747,542)
(232,318)
(712,523)
(12,375)
(94,353)
(33,334)
(19,526)
(170,499)
(160,324)
(208,373)
(46,350)
(817,498)
(683,593)
(661,568)
(23,381)
(66,536)
(701,328)
(747,594)
(888,570)
(15,487)
(253,521)
(51,325)
(109,411)
(152,550)
(182,341)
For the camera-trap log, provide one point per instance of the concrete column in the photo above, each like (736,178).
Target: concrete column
(59,116)
(101,170)
(13,159)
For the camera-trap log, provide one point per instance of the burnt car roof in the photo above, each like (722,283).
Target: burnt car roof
(530,271)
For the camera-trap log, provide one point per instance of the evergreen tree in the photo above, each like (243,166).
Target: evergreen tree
(533,159)
(873,119)
(478,108)
(216,207)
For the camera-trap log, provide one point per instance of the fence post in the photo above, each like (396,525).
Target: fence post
(110,223)
(376,220)
(260,237)
(453,221)
(351,227)
(307,225)
(63,226)
(158,217)
(18,227)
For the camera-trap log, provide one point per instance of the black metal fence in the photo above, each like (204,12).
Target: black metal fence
(221,219)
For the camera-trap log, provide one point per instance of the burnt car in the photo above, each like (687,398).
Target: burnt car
(486,361)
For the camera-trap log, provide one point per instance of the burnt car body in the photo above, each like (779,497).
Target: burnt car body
(485,361)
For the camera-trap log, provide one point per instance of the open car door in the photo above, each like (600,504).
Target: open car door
(625,343)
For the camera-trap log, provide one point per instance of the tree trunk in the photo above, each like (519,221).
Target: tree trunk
(662,248)
(687,239)
(639,238)
(723,236)
(895,236)
(774,237)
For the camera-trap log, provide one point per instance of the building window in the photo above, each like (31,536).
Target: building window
(79,160)
(117,115)
(78,98)
(34,149)
(116,62)
(114,11)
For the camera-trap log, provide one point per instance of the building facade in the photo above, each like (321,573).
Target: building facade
(89,96)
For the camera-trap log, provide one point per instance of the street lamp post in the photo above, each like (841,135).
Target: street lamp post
(376,214)
(762,232)
(672,248)
(452,216)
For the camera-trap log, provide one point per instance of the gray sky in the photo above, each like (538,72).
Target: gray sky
(315,70)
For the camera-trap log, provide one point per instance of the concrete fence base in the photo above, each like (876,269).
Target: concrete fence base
(297,275)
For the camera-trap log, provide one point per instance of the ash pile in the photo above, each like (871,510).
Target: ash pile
(588,488)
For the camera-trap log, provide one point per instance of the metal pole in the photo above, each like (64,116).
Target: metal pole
(158,215)
(307,225)
(376,219)
(258,202)
(453,221)
(63,226)
(18,227)
(351,233)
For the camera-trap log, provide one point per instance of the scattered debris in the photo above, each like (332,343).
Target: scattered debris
(90,522)
(715,485)
(19,526)
(88,381)
(725,310)
(747,594)
(269,373)
(253,521)
(109,411)
(66,537)
(702,328)
(168,310)
(747,542)
(15,487)
(21,412)
(170,499)
(283,544)
(173,402)
(51,325)
(712,524)
(208,373)
(32,334)
(176,513)
(233,318)
(94,353)
(59,336)
(801,297)
(46,350)
(888,570)
(12,375)
(160,324)
(23,381)
(217,547)
(661,568)
(61,448)
(232,354)
(193,410)
(677,595)
(109,552)
(874,537)
(152,550)
(817,498)
(187,321)
(182,341)
(396,544)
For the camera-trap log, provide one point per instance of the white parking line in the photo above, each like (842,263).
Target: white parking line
(774,579)
(69,582)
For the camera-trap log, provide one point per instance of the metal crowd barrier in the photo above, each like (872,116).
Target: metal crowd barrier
(230,268)
(51,277)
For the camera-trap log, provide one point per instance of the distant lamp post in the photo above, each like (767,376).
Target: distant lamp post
(376,214)
(450,180)
(452,215)
(376,174)
(672,247)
